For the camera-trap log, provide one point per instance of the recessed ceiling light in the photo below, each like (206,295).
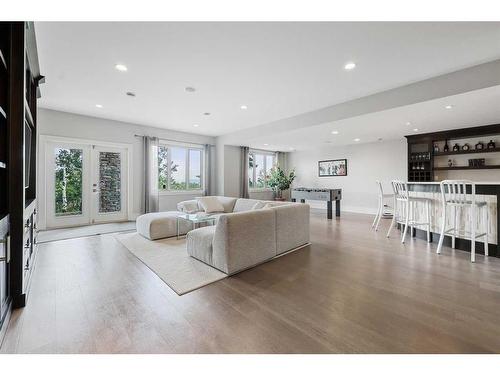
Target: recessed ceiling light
(408,123)
(449,106)
(98,105)
(196,125)
(349,66)
(415,130)
(291,148)
(266,144)
(130,93)
(357,139)
(244,107)
(121,67)
(335,132)
(189,89)
(206,114)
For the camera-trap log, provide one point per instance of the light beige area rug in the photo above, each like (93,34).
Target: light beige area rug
(169,259)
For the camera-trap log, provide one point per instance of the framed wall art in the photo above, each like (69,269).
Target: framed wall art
(329,168)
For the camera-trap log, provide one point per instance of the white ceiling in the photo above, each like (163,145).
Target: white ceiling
(278,69)
(474,108)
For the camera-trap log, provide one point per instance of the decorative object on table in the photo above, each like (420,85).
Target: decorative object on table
(278,181)
(479,146)
(446,147)
(491,144)
(456,147)
(450,163)
(329,168)
(466,147)
(476,163)
(436,148)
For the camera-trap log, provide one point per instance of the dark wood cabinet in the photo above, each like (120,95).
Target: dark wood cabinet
(19,88)
(424,160)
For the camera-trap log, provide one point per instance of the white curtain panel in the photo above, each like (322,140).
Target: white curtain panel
(151,199)
(244,172)
(207,170)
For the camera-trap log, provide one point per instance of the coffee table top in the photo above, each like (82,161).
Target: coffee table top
(196,218)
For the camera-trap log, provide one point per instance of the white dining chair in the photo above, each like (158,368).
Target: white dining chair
(405,207)
(454,195)
(382,198)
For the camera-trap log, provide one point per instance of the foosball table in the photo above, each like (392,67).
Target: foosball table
(317,194)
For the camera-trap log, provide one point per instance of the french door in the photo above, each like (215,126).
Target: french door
(85,184)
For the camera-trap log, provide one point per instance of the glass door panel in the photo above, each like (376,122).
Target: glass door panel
(67,191)
(68,181)
(109,184)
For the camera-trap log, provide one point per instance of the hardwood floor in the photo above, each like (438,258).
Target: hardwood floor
(351,291)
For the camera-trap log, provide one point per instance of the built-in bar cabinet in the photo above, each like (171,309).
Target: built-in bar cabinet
(19,89)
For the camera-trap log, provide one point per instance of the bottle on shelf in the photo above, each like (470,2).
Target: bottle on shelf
(491,144)
(446,147)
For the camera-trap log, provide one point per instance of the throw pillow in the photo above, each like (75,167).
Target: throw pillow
(275,204)
(210,204)
(189,207)
(258,206)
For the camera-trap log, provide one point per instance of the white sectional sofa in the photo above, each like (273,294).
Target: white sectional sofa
(248,232)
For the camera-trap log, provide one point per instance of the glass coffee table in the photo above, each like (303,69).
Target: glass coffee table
(195,220)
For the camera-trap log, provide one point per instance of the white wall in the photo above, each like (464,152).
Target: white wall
(70,125)
(366,163)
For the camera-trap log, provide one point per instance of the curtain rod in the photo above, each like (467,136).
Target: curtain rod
(176,140)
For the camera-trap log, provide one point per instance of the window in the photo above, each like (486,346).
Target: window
(259,168)
(180,168)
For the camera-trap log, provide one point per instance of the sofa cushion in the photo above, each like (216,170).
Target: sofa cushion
(199,243)
(243,240)
(292,226)
(243,204)
(210,204)
(156,225)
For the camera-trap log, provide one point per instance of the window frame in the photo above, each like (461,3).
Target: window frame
(187,148)
(253,172)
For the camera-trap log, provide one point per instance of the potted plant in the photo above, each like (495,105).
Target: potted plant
(278,181)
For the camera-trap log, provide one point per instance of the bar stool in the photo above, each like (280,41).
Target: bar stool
(405,208)
(380,210)
(454,194)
